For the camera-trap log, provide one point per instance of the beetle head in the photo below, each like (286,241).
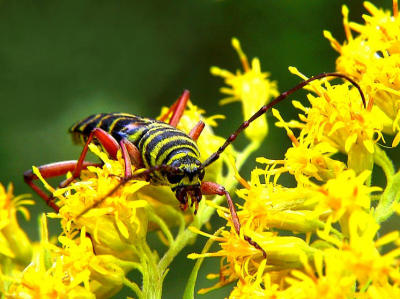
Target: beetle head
(186,181)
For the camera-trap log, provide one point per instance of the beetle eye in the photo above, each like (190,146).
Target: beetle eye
(174,178)
(201,175)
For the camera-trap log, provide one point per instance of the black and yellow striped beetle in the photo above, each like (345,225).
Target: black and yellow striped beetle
(170,156)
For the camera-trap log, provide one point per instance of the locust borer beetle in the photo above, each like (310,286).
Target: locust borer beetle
(169,156)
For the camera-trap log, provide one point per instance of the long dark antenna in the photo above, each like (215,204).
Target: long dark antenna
(265,108)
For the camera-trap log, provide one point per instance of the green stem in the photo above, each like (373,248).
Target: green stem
(131,265)
(180,242)
(190,286)
(163,226)
(383,161)
(178,215)
(390,196)
(384,209)
(134,287)
(242,157)
(152,277)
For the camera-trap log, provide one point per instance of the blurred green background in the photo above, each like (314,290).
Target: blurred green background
(63,60)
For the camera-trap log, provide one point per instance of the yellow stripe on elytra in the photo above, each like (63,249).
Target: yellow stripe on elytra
(134,137)
(105,117)
(157,148)
(82,127)
(181,155)
(153,135)
(124,114)
(111,127)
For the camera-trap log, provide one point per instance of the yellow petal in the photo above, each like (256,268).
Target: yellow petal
(337,125)
(349,142)
(396,140)
(369,145)
(121,227)
(36,171)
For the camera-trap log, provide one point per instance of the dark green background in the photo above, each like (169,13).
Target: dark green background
(63,60)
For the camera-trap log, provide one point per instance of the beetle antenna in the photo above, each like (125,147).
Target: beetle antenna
(278,99)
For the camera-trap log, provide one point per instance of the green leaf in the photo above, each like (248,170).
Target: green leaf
(390,196)
(381,159)
(189,290)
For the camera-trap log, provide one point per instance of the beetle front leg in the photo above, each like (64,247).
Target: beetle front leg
(210,188)
(53,170)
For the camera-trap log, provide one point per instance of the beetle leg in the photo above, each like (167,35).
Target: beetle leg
(49,171)
(196,131)
(133,158)
(111,146)
(130,153)
(170,110)
(127,159)
(180,108)
(106,140)
(210,188)
(134,154)
(177,109)
(61,168)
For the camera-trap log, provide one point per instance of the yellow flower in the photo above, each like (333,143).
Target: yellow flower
(384,291)
(38,282)
(303,208)
(240,259)
(304,159)
(373,58)
(353,262)
(339,254)
(114,223)
(337,116)
(328,279)
(102,274)
(272,206)
(251,88)
(70,271)
(344,194)
(14,242)
(259,285)
(360,254)
(47,276)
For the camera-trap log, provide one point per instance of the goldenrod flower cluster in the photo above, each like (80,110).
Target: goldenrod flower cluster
(373,57)
(14,243)
(322,237)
